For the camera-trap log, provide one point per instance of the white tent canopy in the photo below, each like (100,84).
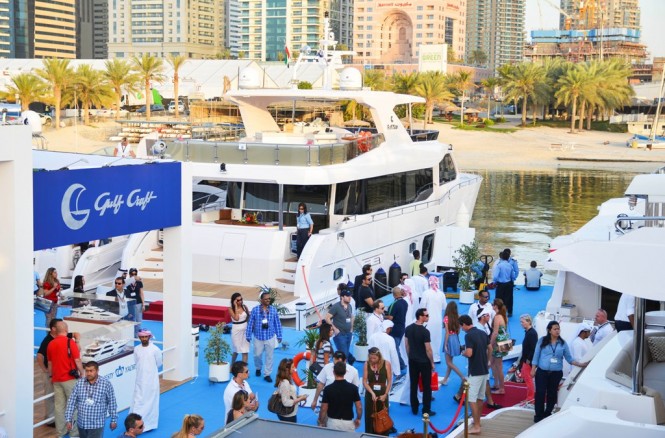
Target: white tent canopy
(628,264)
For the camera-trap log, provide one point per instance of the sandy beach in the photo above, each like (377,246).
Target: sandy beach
(535,149)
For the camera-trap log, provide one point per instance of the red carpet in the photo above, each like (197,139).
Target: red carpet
(515,394)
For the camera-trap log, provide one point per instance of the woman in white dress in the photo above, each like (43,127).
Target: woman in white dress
(239,316)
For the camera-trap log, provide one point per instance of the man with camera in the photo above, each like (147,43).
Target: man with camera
(64,367)
(93,399)
(265,326)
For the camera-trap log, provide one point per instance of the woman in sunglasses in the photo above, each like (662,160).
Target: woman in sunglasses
(239,316)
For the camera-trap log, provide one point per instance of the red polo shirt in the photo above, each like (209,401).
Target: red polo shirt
(61,363)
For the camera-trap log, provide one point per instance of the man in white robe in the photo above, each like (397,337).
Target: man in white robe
(386,345)
(421,285)
(435,302)
(148,359)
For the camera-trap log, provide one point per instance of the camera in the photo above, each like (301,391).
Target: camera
(264,326)
(75,373)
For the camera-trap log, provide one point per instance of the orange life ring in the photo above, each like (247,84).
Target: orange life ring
(365,140)
(296,360)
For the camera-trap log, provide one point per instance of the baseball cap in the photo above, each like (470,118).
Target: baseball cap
(339,355)
(345,293)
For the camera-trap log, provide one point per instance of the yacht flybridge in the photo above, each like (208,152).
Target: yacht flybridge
(375,194)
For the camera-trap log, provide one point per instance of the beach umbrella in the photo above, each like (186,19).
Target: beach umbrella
(471,111)
(356,122)
(625,264)
(449,108)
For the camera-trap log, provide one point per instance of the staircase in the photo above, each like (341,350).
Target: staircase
(154,264)
(288,279)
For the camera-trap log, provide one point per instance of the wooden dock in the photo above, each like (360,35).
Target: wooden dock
(506,424)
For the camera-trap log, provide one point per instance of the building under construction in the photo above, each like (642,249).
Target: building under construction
(592,29)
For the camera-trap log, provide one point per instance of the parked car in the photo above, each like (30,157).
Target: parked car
(153,108)
(181,107)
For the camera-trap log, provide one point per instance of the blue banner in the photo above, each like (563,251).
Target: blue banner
(74,206)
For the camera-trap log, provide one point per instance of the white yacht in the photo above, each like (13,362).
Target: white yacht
(621,391)
(102,348)
(374,196)
(94,313)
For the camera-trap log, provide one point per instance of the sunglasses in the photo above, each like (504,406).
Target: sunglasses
(117,282)
(426,316)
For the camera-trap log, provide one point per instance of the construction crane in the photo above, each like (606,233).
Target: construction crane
(568,23)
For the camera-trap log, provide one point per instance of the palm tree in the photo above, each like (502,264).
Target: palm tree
(176,62)
(58,74)
(120,77)
(462,81)
(27,87)
(405,83)
(433,88)
(489,85)
(375,79)
(150,69)
(521,82)
(570,85)
(91,89)
(612,90)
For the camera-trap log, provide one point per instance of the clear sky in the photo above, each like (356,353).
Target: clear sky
(541,15)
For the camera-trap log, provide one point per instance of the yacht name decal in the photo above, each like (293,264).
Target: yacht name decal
(75,217)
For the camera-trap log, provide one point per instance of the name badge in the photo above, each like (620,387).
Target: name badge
(348,319)
(376,387)
(89,402)
(264,321)
(554,360)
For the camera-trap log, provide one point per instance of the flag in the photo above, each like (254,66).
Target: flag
(288,55)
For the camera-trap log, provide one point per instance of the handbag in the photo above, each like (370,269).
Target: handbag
(503,343)
(381,420)
(276,406)
(434,383)
(315,368)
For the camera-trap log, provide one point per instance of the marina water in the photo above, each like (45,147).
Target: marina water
(525,210)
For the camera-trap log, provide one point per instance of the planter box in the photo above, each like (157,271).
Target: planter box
(219,373)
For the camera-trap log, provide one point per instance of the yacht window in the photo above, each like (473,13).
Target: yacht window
(200,199)
(315,197)
(447,170)
(383,192)
(412,247)
(233,194)
(426,253)
(338,273)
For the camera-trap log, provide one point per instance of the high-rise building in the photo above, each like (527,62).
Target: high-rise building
(232,27)
(92,29)
(54,28)
(193,28)
(495,28)
(390,32)
(6,25)
(266,27)
(594,14)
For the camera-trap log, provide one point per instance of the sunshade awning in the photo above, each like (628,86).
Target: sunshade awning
(627,264)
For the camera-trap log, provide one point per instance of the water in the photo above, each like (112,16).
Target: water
(524,211)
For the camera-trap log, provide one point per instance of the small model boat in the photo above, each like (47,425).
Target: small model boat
(102,348)
(94,313)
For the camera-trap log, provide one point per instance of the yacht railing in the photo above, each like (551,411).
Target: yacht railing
(273,153)
(653,221)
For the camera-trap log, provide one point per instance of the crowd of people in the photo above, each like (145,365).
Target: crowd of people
(406,339)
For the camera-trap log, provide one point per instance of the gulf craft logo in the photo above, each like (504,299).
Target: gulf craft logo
(76,217)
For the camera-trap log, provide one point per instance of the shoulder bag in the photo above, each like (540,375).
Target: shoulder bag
(381,420)
(276,406)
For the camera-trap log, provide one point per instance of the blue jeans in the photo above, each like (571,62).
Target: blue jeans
(91,433)
(343,342)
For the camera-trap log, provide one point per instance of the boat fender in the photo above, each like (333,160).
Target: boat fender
(296,360)
(394,274)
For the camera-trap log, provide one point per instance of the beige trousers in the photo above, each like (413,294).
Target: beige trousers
(62,391)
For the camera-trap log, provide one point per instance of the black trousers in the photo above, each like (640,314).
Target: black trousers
(622,325)
(424,370)
(301,239)
(547,388)
(504,291)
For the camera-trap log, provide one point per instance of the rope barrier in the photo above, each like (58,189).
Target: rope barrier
(309,293)
(452,423)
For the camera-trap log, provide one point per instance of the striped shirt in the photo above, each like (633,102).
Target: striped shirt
(92,402)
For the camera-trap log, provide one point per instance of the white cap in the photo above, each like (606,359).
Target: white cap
(582,327)
(485,311)
(386,324)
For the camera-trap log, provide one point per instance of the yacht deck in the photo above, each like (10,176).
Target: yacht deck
(506,424)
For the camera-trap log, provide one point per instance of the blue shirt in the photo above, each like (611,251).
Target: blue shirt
(516,268)
(304,220)
(255,324)
(503,272)
(542,357)
(92,414)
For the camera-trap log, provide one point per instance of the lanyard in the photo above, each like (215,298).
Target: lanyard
(554,348)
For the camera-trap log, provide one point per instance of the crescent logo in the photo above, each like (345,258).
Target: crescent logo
(74,219)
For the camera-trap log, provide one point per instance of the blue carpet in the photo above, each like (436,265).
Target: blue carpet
(204,398)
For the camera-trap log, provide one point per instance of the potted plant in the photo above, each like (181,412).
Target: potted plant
(309,339)
(466,256)
(274,299)
(360,330)
(216,353)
